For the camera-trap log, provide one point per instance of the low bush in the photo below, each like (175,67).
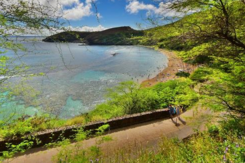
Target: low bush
(200,75)
(97,118)
(76,120)
(105,111)
(20,127)
(183,74)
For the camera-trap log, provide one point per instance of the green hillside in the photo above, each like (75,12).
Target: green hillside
(113,36)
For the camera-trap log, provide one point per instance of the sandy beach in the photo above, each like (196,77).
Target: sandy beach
(174,65)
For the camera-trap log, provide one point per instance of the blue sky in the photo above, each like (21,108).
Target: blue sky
(112,13)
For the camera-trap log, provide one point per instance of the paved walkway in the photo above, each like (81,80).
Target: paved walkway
(146,134)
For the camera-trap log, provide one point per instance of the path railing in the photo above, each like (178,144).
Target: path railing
(54,135)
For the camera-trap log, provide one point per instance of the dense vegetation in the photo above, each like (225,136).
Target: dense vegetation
(214,38)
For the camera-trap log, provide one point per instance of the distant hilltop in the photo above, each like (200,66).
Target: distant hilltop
(113,36)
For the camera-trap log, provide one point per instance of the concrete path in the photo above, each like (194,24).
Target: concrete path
(146,134)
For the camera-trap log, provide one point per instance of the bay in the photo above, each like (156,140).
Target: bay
(76,77)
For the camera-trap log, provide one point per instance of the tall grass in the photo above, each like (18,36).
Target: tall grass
(216,145)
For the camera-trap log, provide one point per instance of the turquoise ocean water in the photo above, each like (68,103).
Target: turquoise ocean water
(76,76)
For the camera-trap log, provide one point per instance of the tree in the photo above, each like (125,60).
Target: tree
(216,32)
(19,17)
(132,98)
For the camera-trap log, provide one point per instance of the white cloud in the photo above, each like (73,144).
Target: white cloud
(46,32)
(162,9)
(86,28)
(78,12)
(51,31)
(78,9)
(98,15)
(68,9)
(135,6)
(68,2)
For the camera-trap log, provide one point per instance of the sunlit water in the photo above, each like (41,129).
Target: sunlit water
(77,76)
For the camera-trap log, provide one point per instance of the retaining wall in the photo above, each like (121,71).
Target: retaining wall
(50,136)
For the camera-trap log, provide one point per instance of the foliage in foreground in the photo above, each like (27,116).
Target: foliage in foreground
(218,144)
(64,143)
(225,143)
(78,154)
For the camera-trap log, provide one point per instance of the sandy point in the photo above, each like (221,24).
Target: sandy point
(175,64)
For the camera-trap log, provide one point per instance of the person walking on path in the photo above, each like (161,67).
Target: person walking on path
(178,112)
(172,113)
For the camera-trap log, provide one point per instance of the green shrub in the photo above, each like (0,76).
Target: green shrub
(105,111)
(21,127)
(19,148)
(177,92)
(16,129)
(183,74)
(97,118)
(76,120)
(200,75)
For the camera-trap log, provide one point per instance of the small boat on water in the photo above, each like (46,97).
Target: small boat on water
(82,44)
(114,54)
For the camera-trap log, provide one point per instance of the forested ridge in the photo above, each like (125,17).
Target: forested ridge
(112,36)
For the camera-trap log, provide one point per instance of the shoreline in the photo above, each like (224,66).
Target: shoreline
(174,65)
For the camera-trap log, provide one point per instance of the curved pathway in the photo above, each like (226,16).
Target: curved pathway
(146,134)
